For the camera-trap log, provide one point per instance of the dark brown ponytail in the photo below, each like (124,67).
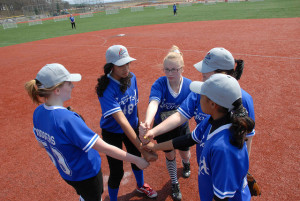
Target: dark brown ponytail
(237,72)
(241,124)
(103,81)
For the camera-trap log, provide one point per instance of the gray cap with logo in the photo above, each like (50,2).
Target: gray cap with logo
(118,55)
(216,58)
(222,89)
(53,74)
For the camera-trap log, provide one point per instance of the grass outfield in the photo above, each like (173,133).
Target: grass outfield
(198,12)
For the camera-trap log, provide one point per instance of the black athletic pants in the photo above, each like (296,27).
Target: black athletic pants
(116,166)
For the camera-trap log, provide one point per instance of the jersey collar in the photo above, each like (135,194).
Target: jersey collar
(54,107)
(218,130)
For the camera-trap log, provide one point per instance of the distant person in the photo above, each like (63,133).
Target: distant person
(175,9)
(72,20)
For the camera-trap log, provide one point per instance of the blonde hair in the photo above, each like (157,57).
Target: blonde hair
(35,92)
(176,54)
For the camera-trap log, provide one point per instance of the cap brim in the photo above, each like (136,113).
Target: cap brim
(203,68)
(196,87)
(124,61)
(198,66)
(74,78)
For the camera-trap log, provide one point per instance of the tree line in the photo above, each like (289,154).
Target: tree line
(16,7)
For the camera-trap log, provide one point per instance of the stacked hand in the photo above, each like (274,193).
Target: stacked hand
(142,163)
(146,135)
(149,156)
(150,147)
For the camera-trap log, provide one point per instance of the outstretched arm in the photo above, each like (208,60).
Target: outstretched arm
(175,143)
(151,111)
(164,146)
(112,151)
(144,127)
(130,133)
(167,125)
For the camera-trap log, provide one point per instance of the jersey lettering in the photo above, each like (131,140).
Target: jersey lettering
(59,158)
(203,169)
(44,136)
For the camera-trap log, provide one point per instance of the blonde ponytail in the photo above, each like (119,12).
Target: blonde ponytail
(35,90)
(32,90)
(175,53)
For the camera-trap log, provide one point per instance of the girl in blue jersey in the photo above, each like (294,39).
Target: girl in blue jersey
(71,145)
(167,93)
(118,96)
(174,9)
(72,20)
(217,60)
(224,159)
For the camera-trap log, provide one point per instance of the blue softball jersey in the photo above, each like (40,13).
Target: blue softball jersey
(222,167)
(68,142)
(162,92)
(114,100)
(191,108)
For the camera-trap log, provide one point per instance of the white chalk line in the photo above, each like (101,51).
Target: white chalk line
(163,49)
(124,180)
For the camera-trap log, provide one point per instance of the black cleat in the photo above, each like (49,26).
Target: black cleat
(176,194)
(186,170)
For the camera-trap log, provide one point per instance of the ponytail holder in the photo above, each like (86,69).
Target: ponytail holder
(177,51)
(35,85)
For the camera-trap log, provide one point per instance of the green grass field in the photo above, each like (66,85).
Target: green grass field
(150,15)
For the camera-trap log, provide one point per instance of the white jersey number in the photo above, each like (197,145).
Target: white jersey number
(60,159)
(129,110)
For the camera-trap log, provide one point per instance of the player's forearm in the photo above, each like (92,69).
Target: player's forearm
(151,111)
(164,146)
(169,124)
(127,129)
(130,133)
(113,151)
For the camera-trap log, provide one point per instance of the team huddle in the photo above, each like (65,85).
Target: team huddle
(224,114)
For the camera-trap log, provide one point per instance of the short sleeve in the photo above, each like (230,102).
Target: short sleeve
(109,104)
(199,132)
(188,106)
(249,105)
(77,131)
(156,91)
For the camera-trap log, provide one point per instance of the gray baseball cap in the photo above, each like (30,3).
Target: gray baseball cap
(220,88)
(216,58)
(53,74)
(118,55)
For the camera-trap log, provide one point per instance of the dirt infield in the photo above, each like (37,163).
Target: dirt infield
(269,47)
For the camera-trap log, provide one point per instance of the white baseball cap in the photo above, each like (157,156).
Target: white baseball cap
(216,58)
(220,88)
(118,55)
(53,74)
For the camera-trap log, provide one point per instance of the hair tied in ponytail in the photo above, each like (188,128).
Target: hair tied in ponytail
(240,112)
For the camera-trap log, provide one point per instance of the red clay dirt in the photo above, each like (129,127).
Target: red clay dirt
(269,47)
